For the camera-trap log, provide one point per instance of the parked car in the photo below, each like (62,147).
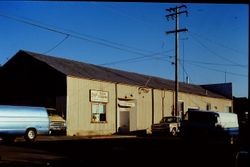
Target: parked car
(23,121)
(168,125)
(57,124)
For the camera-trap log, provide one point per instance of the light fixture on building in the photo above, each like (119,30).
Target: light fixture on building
(143,90)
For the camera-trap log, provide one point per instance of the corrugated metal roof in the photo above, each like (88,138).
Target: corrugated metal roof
(91,71)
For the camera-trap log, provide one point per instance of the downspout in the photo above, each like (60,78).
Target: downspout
(162,103)
(66,103)
(173,106)
(153,106)
(116,108)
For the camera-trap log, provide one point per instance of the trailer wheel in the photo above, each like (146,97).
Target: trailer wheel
(30,135)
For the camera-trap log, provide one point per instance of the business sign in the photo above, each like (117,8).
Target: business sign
(127,104)
(99,96)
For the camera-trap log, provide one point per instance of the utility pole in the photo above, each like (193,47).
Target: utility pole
(248,56)
(174,15)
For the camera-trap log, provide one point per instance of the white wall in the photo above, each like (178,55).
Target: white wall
(141,115)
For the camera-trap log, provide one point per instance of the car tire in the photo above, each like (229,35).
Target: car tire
(174,132)
(30,135)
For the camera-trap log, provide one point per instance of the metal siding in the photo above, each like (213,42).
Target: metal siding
(72,111)
(143,101)
(145,110)
(191,100)
(157,105)
(79,107)
(168,104)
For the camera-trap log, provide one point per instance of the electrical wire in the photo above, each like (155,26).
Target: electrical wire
(134,18)
(204,67)
(67,36)
(212,69)
(110,44)
(213,64)
(214,53)
(217,43)
(76,35)
(185,71)
(32,24)
(107,41)
(136,59)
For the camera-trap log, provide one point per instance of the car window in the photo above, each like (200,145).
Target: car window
(168,120)
(51,111)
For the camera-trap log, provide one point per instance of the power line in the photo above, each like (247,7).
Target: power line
(204,63)
(56,45)
(214,53)
(185,71)
(136,59)
(217,43)
(76,35)
(204,67)
(213,64)
(137,19)
(106,41)
(71,32)
(32,24)
(210,63)
(212,69)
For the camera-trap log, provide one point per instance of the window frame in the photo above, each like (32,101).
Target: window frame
(104,108)
(209,107)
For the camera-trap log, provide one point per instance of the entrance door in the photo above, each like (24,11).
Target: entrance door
(126,115)
(124,121)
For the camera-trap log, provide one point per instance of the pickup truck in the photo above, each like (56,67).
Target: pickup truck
(168,125)
(57,124)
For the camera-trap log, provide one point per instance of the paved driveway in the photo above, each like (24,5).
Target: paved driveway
(115,151)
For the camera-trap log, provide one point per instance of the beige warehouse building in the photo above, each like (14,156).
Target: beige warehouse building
(97,100)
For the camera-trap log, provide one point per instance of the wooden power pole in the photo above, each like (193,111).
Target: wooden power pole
(174,15)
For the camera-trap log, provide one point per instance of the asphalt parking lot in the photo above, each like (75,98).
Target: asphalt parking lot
(116,151)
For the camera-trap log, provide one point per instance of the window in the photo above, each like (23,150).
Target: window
(181,109)
(209,106)
(229,109)
(98,112)
(207,118)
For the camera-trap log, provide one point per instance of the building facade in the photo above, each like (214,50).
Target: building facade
(97,100)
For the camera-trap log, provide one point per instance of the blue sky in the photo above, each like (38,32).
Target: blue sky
(131,37)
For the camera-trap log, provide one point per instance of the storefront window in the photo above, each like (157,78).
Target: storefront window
(98,112)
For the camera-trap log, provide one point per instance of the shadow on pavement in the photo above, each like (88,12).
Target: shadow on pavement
(134,151)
